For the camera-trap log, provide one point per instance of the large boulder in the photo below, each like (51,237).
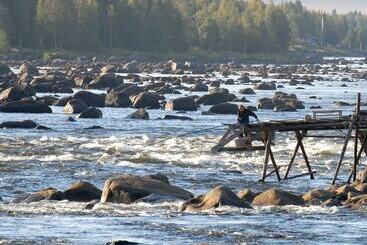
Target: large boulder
(131,67)
(265,86)
(117,99)
(213,98)
(108,69)
(108,80)
(247,195)
(182,104)
(224,108)
(75,106)
(139,114)
(265,103)
(317,196)
(53,83)
(277,197)
(28,69)
(25,106)
(199,87)
(129,188)
(91,99)
(82,81)
(146,100)
(91,112)
(14,94)
(82,192)
(219,196)
(247,91)
(46,194)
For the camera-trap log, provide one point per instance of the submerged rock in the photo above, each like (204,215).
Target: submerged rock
(173,117)
(277,198)
(46,194)
(121,242)
(129,188)
(224,108)
(139,114)
(75,106)
(25,106)
(27,124)
(91,113)
(219,196)
(182,104)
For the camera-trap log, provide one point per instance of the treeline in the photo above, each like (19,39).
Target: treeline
(174,25)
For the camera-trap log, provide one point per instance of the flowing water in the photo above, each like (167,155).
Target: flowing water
(31,160)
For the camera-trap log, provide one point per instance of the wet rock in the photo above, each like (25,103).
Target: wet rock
(121,242)
(28,69)
(75,106)
(91,112)
(332,202)
(94,127)
(46,194)
(129,188)
(131,67)
(108,69)
(224,108)
(277,198)
(90,205)
(199,87)
(247,91)
(14,94)
(357,201)
(181,104)
(146,100)
(82,81)
(139,114)
(265,103)
(118,99)
(54,83)
(213,98)
(62,101)
(25,106)
(48,100)
(317,196)
(283,108)
(108,80)
(265,86)
(246,195)
(173,117)
(341,103)
(40,127)
(219,196)
(90,99)
(82,192)
(361,188)
(362,176)
(27,124)
(342,192)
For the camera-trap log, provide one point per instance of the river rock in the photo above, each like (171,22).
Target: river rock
(224,108)
(25,106)
(277,197)
(82,192)
(181,104)
(247,91)
(265,86)
(91,112)
(173,117)
(46,194)
(139,114)
(116,99)
(14,94)
(265,103)
(5,70)
(361,188)
(146,100)
(75,106)
(246,195)
(317,196)
(213,98)
(28,69)
(121,242)
(199,87)
(90,99)
(219,196)
(129,188)
(82,81)
(27,124)
(108,80)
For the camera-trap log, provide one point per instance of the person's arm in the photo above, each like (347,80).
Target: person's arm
(252,114)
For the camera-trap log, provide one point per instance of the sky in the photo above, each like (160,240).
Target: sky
(342,6)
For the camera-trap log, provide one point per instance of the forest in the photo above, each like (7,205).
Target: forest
(174,26)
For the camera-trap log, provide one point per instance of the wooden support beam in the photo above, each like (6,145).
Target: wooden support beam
(357,118)
(267,155)
(292,160)
(354,170)
(299,137)
(274,164)
(301,175)
(274,171)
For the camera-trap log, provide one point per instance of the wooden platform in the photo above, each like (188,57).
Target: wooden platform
(356,123)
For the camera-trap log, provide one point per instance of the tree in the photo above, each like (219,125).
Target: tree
(4,43)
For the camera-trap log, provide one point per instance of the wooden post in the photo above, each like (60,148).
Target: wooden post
(292,160)
(357,118)
(299,137)
(349,133)
(276,169)
(267,154)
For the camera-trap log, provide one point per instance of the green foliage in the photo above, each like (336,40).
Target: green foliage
(240,26)
(49,56)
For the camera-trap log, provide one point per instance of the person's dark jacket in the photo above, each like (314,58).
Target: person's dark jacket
(243,117)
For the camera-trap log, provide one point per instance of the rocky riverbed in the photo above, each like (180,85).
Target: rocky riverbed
(92,152)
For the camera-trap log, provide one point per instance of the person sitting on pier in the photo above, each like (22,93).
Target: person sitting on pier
(244,114)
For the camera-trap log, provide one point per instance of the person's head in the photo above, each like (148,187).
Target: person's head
(241,108)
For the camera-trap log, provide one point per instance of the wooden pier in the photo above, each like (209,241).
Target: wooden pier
(353,127)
